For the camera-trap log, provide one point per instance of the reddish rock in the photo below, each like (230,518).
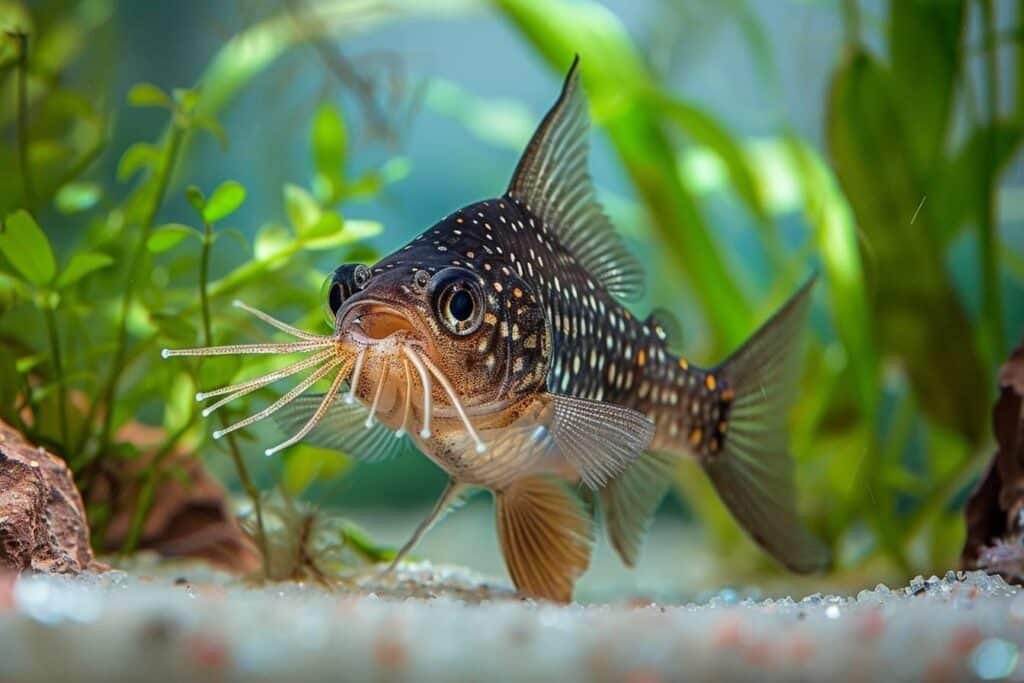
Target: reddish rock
(42,519)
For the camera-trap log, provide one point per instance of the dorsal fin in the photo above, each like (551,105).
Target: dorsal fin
(553,182)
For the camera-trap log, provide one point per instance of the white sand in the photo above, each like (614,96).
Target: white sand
(120,627)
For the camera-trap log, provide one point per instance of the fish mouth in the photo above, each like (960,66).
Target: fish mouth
(370,322)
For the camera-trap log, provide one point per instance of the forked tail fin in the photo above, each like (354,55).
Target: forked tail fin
(752,469)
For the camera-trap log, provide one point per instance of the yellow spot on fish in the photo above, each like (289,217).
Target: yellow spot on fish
(490,319)
(683,364)
(728,395)
(641,357)
(695,436)
(517,293)
(710,382)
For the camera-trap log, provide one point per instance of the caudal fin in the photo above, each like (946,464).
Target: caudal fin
(753,469)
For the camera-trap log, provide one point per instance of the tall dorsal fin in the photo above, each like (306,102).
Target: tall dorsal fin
(553,182)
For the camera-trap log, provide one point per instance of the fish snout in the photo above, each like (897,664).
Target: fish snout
(375,323)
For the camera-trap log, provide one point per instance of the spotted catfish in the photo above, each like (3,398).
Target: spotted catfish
(497,343)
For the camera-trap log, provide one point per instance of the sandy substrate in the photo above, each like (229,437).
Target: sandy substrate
(117,626)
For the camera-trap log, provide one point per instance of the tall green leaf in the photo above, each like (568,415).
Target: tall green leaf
(329,142)
(921,320)
(617,83)
(924,48)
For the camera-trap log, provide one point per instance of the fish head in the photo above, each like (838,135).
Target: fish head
(439,328)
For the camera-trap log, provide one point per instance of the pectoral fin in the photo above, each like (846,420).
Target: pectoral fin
(599,439)
(546,534)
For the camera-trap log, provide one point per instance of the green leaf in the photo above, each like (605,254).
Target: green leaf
(168,236)
(704,130)
(195,197)
(360,541)
(235,234)
(25,245)
(925,44)
(80,265)
(830,217)
(305,464)
(78,196)
(985,150)
(214,128)
(138,156)
(148,95)
(875,163)
(366,185)
(10,387)
(179,402)
(25,364)
(354,231)
(270,241)
(228,196)
(331,223)
(186,99)
(175,327)
(302,208)
(219,371)
(329,141)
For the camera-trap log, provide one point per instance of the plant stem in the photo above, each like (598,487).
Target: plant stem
(233,449)
(137,259)
(944,488)
(26,175)
(144,502)
(58,371)
(991,296)
(851,23)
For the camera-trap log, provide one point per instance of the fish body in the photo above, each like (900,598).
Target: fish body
(500,344)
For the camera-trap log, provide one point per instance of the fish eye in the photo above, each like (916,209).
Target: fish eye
(458,300)
(340,285)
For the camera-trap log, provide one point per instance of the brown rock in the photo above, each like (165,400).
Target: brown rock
(995,510)
(42,519)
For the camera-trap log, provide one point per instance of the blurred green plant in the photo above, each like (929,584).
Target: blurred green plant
(111,294)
